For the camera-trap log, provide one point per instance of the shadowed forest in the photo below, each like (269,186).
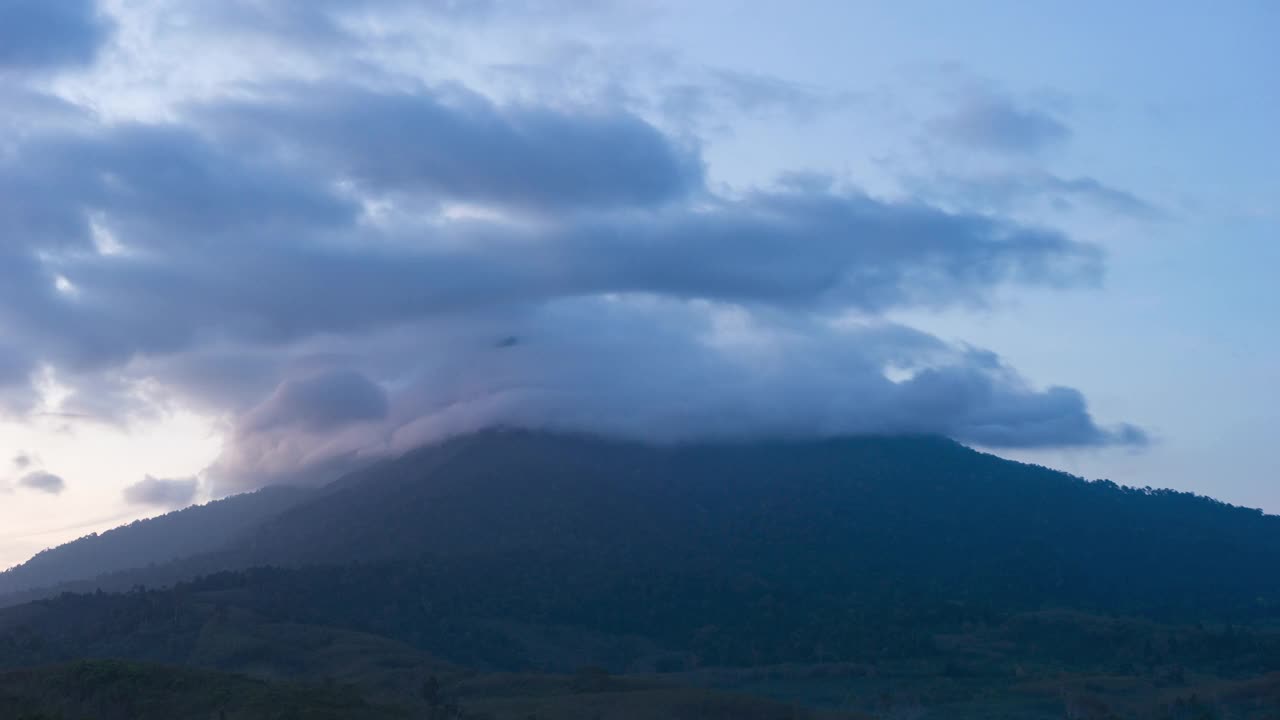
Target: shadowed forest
(517,574)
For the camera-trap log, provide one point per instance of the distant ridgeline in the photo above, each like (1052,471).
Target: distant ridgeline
(521,550)
(159,540)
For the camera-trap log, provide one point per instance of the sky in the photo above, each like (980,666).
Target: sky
(268,241)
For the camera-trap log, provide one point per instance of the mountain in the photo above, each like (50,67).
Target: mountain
(824,571)
(179,534)
(917,515)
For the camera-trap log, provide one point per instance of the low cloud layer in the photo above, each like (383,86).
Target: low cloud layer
(319,403)
(657,369)
(344,270)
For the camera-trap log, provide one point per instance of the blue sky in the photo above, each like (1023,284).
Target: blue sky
(258,242)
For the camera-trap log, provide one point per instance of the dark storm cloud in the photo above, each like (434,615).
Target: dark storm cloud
(997,124)
(44,482)
(167,493)
(36,34)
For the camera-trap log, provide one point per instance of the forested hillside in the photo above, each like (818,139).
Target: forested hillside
(911,566)
(917,516)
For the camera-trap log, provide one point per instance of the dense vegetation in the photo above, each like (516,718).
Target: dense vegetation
(878,575)
(910,514)
(128,691)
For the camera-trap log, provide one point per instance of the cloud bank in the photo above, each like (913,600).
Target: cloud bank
(346,269)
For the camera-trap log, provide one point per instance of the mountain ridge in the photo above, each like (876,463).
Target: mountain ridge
(561,492)
(873,574)
(153,541)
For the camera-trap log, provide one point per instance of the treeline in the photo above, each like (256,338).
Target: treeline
(464,613)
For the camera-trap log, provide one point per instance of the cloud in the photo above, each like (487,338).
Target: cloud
(715,90)
(344,269)
(665,370)
(326,22)
(684,94)
(996,124)
(320,402)
(459,145)
(37,34)
(23,460)
(17,395)
(162,493)
(1041,190)
(230,236)
(44,482)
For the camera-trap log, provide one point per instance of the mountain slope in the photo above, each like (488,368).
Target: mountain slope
(827,572)
(194,530)
(917,514)
(907,516)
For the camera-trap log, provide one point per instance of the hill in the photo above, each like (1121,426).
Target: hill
(194,530)
(922,516)
(864,574)
(918,516)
